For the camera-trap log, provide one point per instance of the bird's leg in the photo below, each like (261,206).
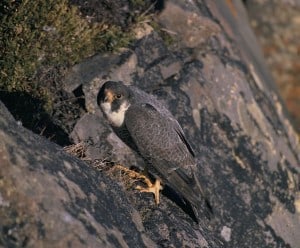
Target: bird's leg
(152,188)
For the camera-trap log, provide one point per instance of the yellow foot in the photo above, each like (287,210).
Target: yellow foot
(152,188)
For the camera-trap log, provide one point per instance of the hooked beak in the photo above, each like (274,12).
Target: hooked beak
(109,96)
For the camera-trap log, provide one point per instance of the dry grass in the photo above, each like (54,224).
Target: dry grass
(128,177)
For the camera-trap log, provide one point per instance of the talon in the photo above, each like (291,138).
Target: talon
(152,188)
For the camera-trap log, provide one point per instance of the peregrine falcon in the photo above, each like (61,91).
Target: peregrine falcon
(147,127)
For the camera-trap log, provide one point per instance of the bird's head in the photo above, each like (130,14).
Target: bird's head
(114,99)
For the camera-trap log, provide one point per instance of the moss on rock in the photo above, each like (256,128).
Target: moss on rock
(45,33)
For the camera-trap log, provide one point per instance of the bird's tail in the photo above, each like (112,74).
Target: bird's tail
(200,202)
(193,193)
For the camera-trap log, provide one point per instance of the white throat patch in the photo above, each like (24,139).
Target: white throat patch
(116,118)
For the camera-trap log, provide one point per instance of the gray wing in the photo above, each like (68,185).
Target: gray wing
(161,142)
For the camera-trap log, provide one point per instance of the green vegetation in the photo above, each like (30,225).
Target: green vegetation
(41,33)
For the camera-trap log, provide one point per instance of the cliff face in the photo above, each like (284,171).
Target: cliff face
(203,62)
(50,199)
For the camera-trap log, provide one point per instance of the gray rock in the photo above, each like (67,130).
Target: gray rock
(223,96)
(51,199)
(220,91)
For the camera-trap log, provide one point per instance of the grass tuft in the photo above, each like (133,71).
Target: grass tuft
(34,34)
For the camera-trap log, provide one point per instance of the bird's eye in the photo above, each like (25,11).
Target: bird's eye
(118,96)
